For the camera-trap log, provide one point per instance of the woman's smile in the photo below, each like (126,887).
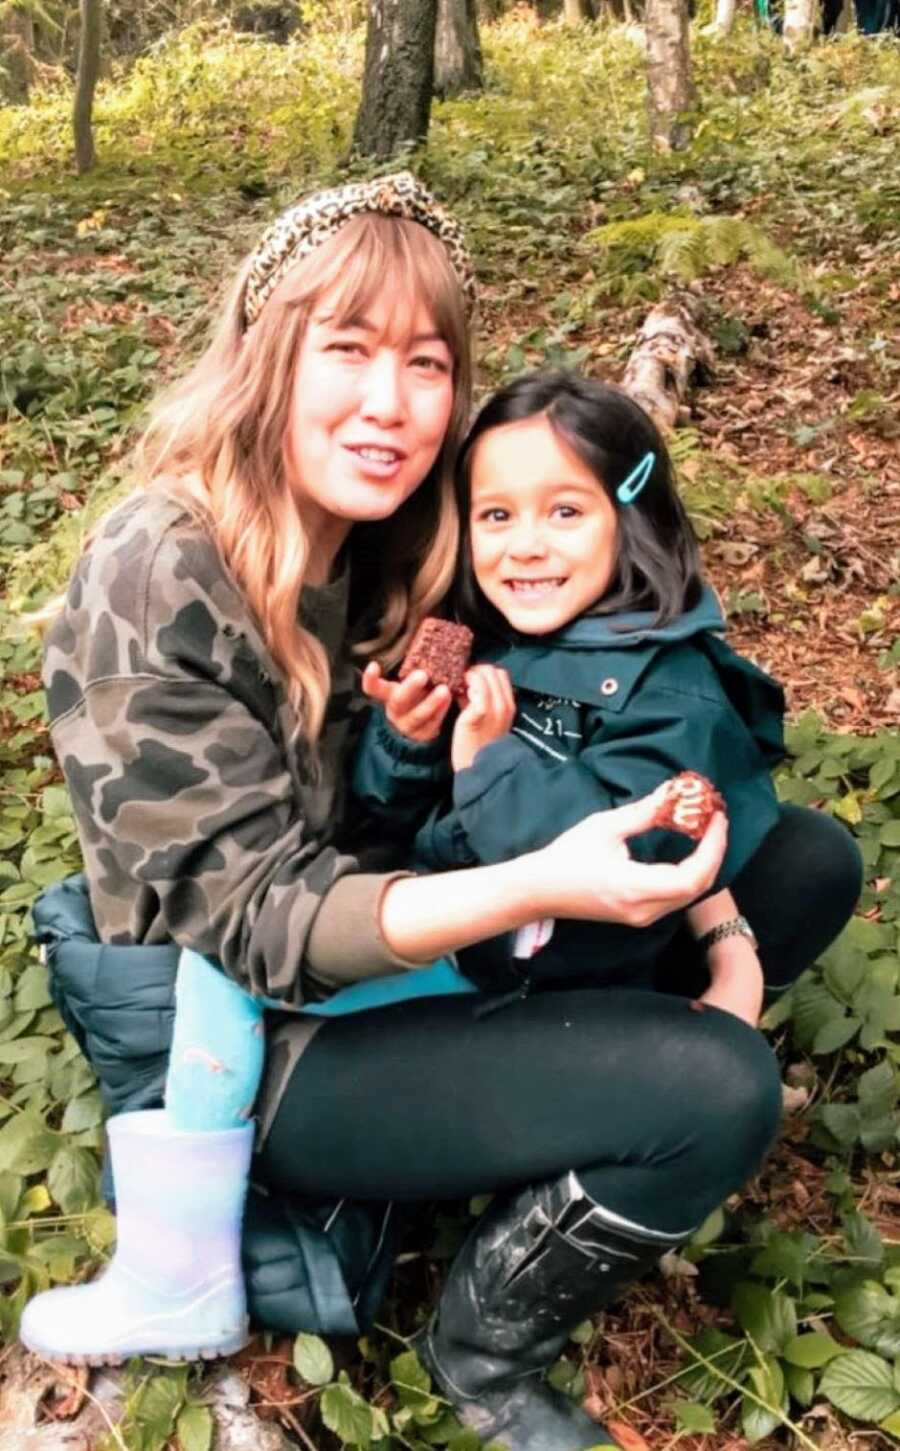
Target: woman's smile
(376,460)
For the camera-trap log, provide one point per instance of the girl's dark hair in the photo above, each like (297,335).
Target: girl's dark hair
(658,566)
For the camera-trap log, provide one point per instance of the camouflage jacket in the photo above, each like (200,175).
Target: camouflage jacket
(199,817)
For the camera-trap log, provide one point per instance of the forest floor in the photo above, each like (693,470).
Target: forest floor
(790,463)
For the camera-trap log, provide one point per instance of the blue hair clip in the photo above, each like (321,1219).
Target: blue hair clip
(629,489)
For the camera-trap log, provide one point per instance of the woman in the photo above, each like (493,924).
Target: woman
(306,463)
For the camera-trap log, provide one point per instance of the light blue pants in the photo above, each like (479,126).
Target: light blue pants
(218,1045)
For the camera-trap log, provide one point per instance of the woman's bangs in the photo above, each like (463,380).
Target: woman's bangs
(382,257)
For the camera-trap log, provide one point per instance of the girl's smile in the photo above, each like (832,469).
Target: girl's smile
(543,531)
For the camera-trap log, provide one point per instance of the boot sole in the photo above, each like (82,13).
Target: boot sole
(114,1358)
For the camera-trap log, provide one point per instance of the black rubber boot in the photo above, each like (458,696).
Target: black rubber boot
(534,1267)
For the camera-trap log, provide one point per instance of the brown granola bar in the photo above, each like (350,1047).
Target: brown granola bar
(442,650)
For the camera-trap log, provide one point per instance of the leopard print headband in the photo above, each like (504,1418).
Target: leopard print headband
(303,227)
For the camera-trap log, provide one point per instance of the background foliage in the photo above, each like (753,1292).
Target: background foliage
(776,1321)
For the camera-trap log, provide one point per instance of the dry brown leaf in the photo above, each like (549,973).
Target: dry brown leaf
(65,1397)
(630,1439)
(800,1193)
(793,1099)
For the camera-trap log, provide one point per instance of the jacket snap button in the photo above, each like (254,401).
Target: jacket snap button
(609,686)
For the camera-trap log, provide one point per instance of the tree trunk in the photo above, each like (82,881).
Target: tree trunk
(576,11)
(85,81)
(670,88)
(671,354)
(16,55)
(799,24)
(397,82)
(457,49)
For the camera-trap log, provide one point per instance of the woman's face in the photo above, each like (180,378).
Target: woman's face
(542,529)
(372,399)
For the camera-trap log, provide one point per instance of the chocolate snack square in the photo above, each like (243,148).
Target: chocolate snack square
(442,650)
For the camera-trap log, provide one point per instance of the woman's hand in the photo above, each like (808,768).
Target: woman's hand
(589,873)
(586,873)
(414,709)
(489,714)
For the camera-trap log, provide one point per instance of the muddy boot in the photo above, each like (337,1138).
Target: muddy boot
(535,1266)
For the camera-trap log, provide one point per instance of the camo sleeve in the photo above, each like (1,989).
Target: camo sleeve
(199,819)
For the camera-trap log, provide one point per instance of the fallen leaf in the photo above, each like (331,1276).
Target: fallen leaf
(736,551)
(801,1074)
(852,696)
(630,1439)
(800,1193)
(65,1397)
(674,1267)
(793,1099)
(815,570)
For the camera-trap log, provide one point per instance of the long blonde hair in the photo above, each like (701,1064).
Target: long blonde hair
(216,439)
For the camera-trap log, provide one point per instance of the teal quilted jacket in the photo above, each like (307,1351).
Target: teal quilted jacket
(321,1267)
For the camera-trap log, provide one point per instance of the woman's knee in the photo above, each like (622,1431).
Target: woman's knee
(742,1104)
(831,856)
(799,890)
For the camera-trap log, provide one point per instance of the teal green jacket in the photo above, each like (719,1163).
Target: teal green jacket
(607,709)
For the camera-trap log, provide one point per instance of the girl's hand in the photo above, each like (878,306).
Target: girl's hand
(489,714)
(414,709)
(736,979)
(588,872)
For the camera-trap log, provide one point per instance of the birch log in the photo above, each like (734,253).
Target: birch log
(672,353)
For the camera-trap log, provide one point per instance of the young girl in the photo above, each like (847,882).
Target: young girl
(601,672)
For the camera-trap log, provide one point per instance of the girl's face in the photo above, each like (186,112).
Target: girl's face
(542,529)
(372,399)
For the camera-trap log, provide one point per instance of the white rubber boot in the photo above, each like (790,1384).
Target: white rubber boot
(175,1285)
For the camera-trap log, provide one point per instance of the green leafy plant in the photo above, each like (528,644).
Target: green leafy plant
(675,247)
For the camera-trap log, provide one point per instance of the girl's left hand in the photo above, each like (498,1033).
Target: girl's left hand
(489,714)
(736,979)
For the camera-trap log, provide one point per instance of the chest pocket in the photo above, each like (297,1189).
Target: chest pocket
(552,725)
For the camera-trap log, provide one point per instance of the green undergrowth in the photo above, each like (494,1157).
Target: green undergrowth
(107,282)
(816,1316)
(640,258)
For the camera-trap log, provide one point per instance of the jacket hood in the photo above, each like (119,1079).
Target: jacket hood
(599,659)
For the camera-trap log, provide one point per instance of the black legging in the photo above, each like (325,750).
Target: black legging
(662,1110)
